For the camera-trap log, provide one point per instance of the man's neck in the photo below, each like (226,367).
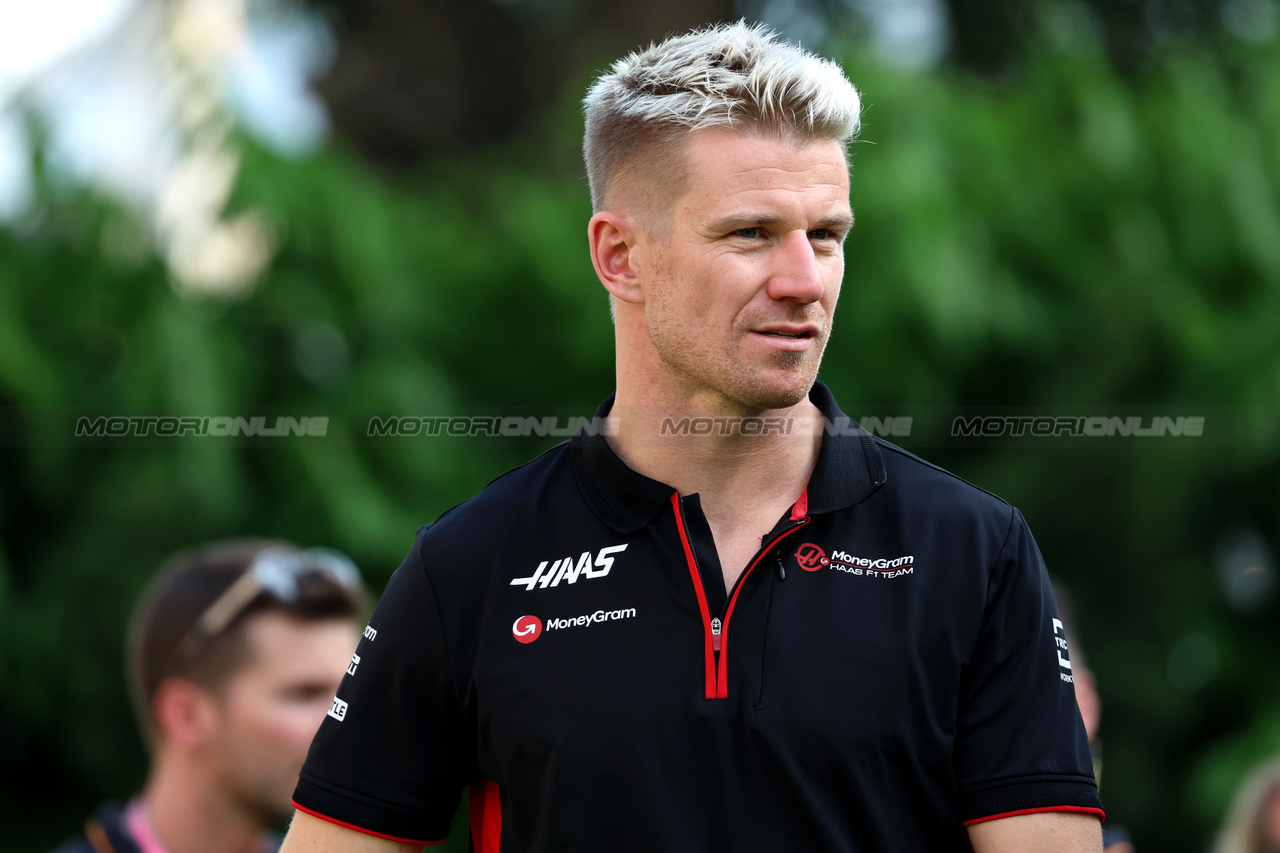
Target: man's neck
(747,466)
(189,815)
(718,451)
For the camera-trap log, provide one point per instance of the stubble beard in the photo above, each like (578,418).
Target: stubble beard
(698,369)
(801,367)
(742,385)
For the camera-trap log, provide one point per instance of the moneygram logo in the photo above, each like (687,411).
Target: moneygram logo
(813,558)
(895,564)
(526,629)
(591,618)
(529,628)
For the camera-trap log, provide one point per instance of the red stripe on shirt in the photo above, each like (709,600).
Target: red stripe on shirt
(1081,809)
(361,828)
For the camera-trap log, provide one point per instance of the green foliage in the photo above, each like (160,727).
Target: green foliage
(1069,239)
(1075,241)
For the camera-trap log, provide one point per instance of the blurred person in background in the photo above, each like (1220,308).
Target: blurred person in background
(235,652)
(1253,821)
(1115,838)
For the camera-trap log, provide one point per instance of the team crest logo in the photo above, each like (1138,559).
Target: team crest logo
(811,558)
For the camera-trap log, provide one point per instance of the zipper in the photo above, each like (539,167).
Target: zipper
(722,668)
(711,642)
(715,629)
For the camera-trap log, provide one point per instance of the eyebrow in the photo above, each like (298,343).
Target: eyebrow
(736,221)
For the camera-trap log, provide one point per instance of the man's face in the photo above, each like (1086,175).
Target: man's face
(268,711)
(739,299)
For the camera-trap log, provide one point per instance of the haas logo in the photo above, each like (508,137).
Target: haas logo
(565,569)
(811,558)
(526,629)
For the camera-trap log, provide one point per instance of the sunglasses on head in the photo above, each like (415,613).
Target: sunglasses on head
(276,571)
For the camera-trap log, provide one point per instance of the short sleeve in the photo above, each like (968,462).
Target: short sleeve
(393,754)
(1020,744)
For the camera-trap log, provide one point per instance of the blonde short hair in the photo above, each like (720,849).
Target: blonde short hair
(731,76)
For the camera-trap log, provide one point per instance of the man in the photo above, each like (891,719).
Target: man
(234,655)
(730,621)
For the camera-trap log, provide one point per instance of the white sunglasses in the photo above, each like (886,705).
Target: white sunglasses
(275,571)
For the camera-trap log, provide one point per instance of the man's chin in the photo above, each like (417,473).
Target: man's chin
(786,382)
(764,398)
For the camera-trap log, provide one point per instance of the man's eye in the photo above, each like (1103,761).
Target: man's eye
(822,234)
(748,233)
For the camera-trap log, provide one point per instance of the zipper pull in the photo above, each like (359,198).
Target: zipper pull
(782,573)
(715,634)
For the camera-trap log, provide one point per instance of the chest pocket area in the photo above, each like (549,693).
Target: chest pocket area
(850,665)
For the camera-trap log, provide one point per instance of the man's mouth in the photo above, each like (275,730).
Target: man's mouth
(793,334)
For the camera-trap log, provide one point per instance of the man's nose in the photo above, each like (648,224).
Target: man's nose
(796,274)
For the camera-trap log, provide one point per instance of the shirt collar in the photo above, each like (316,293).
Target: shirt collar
(849,469)
(142,829)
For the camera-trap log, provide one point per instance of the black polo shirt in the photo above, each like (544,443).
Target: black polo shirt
(888,669)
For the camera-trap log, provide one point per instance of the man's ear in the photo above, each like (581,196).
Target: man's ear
(616,249)
(185,713)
